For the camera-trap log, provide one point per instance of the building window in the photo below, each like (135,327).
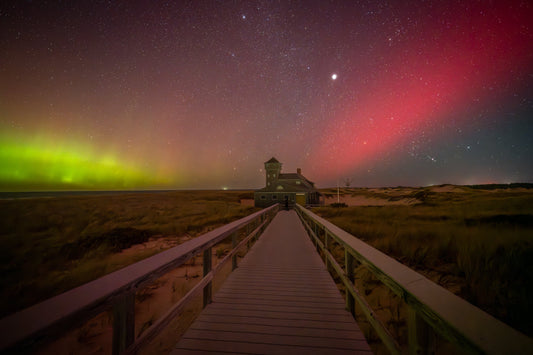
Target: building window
(274,197)
(268,184)
(298,182)
(263,197)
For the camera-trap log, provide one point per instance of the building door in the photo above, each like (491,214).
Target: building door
(300,199)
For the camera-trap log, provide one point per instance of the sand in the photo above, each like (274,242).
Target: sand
(369,201)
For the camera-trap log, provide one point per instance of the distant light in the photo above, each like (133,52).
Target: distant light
(225,188)
(244,17)
(334,76)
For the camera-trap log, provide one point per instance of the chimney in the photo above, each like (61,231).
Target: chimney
(299,171)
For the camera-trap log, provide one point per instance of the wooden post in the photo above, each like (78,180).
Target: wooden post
(123,323)
(421,336)
(249,228)
(326,246)
(207,270)
(233,245)
(315,229)
(349,265)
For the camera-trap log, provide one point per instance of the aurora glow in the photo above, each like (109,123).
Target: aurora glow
(449,75)
(142,95)
(45,164)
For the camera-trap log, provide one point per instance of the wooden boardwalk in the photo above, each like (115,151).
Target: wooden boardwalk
(280,300)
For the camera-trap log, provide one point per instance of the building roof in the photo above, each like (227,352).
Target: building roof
(294,176)
(288,186)
(272,160)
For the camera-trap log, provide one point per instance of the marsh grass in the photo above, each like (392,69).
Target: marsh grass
(50,245)
(476,243)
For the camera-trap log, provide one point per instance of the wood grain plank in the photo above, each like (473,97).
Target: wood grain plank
(322,317)
(297,323)
(279,339)
(282,303)
(279,308)
(258,348)
(280,330)
(303,299)
(325,294)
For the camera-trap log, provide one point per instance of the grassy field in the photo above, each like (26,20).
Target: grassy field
(50,245)
(476,242)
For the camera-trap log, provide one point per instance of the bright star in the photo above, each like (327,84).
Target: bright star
(333,76)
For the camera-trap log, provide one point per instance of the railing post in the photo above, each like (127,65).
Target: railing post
(207,270)
(326,246)
(249,228)
(315,228)
(233,245)
(349,265)
(123,323)
(421,335)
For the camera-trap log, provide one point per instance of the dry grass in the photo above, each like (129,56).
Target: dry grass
(476,243)
(50,245)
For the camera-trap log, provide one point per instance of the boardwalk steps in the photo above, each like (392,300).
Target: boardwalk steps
(280,300)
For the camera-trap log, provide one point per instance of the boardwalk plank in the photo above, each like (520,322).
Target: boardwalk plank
(281,330)
(301,299)
(286,288)
(280,300)
(282,292)
(259,348)
(281,303)
(279,339)
(298,323)
(279,308)
(293,314)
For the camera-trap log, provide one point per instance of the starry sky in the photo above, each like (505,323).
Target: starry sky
(199,94)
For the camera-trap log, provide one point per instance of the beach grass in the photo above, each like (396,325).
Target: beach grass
(52,244)
(477,243)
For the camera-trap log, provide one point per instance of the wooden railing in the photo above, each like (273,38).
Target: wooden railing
(431,308)
(116,291)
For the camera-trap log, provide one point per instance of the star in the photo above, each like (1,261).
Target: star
(411,88)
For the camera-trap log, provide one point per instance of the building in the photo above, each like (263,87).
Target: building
(286,188)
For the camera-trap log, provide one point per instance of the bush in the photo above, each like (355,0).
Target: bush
(338,205)
(115,240)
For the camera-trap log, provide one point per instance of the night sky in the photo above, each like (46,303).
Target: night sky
(199,94)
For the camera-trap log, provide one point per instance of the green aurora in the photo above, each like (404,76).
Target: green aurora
(38,164)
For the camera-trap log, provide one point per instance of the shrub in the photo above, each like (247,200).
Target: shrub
(338,205)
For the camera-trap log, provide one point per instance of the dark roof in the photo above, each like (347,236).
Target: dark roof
(288,187)
(272,160)
(295,176)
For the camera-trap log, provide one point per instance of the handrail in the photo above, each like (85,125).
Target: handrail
(117,290)
(432,309)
